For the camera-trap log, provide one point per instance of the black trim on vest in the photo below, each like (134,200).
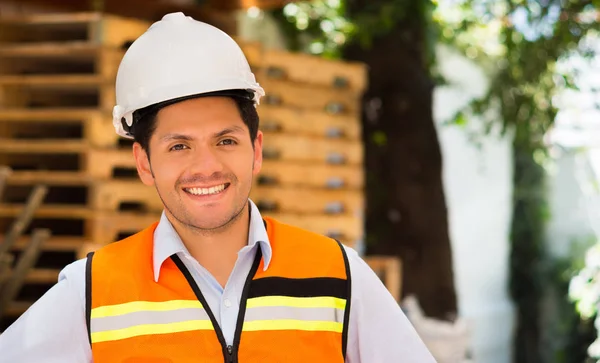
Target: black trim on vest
(309,287)
(88,294)
(348,300)
(200,297)
(242,312)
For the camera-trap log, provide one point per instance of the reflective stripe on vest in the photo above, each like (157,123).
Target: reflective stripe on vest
(138,318)
(296,311)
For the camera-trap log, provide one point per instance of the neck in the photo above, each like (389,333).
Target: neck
(216,250)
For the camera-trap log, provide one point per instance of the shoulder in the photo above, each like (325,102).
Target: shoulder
(73,276)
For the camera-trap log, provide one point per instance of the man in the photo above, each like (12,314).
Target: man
(212,281)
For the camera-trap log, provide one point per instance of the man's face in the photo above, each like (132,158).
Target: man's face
(201,162)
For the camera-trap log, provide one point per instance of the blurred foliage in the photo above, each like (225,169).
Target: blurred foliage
(519,43)
(566,337)
(322,27)
(584,291)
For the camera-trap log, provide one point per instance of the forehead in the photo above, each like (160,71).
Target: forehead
(199,113)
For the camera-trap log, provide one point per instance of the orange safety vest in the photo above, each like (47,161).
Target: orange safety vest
(295,312)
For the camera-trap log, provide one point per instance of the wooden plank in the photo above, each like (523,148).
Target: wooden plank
(284,173)
(96,28)
(5,174)
(61,211)
(305,68)
(308,122)
(297,95)
(101,163)
(26,261)
(51,114)
(69,49)
(61,81)
(344,227)
(42,146)
(42,276)
(307,200)
(50,18)
(106,227)
(24,214)
(97,125)
(50,178)
(389,270)
(54,243)
(109,195)
(6,262)
(307,149)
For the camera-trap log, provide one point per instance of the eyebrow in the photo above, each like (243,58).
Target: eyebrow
(178,137)
(229,130)
(183,137)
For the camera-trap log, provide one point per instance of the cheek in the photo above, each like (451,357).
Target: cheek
(166,173)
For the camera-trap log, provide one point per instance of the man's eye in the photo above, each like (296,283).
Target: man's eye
(178,147)
(227,142)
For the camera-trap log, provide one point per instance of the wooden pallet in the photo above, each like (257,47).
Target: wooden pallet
(102,163)
(346,228)
(309,174)
(94,28)
(306,149)
(89,124)
(56,59)
(63,220)
(57,155)
(111,195)
(308,122)
(302,96)
(60,178)
(307,200)
(304,68)
(44,91)
(54,244)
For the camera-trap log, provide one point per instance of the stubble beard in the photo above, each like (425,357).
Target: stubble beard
(186,222)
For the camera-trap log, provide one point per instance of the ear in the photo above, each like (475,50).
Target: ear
(143,164)
(258,153)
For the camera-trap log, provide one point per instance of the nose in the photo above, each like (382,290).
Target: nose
(205,161)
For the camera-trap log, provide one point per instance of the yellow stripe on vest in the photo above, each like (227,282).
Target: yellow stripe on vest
(297,302)
(135,306)
(151,329)
(293,325)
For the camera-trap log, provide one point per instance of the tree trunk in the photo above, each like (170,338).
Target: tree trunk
(406,210)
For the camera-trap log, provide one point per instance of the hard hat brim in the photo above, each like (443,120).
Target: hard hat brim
(139,115)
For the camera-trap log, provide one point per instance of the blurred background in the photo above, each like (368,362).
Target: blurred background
(454,144)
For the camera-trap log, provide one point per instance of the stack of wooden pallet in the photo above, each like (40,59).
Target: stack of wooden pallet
(57,76)
(312,174)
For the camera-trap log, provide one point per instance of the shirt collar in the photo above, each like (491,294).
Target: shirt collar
(167,242)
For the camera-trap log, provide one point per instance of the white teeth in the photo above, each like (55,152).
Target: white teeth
(206,191)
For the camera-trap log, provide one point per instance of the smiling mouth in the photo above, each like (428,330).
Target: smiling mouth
(207,191)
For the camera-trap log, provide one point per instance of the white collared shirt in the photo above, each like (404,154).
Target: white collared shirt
(53,330)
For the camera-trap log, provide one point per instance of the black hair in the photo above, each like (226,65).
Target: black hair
(144,127)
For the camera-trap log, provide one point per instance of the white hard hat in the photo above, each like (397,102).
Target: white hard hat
(178,58)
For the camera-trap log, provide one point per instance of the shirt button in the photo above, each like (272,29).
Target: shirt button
(227,303)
